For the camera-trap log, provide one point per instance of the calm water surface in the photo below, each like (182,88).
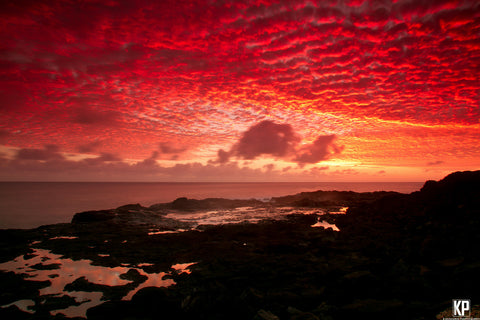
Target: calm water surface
(32,204)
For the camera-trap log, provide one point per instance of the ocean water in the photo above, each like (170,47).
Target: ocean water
(32,204)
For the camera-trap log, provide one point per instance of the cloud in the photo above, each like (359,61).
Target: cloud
(108,157)
(150,161)
(203,71)
(90,116)
(222,156)
(321,149)
(279,141)
(89,147)
(345,172)
(109,167)
(266,138)
(49,152)
(4,133)
(104,157)
(269,167)
(435,163)
(169,149)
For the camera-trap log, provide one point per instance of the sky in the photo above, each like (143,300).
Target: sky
(259,90)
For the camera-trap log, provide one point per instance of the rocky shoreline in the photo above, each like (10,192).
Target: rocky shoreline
(396,256)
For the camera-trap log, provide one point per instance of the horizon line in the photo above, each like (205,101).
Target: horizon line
(63,181)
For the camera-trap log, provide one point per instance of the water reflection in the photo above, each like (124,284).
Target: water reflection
(341,210)
(238,215)
(24,305)
(63,238)
(155,231)
(325,225)
(60,271)
(183,267)
(69,270)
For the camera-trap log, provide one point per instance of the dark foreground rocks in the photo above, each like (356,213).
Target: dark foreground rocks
(395,257)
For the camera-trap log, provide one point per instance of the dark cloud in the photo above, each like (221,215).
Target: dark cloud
(108,167)
(435,163)
(4,134)
(49,152)
(222,156)
(280,141)
(150,162)
(269,167)
(321,149)
(169,149)
(266,138)
(103,158)
(89,147)
(107,157)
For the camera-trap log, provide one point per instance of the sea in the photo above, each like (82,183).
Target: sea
(25,205)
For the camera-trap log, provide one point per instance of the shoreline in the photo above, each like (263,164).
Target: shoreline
(395,255)
(27,206)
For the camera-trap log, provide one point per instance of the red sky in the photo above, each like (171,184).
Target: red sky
(259,90)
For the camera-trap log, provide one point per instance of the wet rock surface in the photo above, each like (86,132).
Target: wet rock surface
(206,204)
(396,256)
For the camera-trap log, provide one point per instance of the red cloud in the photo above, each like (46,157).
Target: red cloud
(142,72)
(88,116)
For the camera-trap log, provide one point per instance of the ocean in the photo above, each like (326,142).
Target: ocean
(26,205)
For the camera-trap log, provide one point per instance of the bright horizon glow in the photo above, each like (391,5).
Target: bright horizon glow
(334,91)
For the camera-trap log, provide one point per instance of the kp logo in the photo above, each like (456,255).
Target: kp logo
(461,307)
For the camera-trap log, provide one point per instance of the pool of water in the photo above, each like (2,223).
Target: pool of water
(65,271)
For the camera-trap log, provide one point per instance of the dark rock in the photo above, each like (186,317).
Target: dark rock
(300,315)
(109,292)
(14,243)
(325,199)
(121,310)
(304,219)
(396,256)
(15,287)
(50,302)
(29,255)
(376,307)
(265,315)
(134,275)
(154,301)
(183,203)
(132,207)
(93,216)
(304,316)
(51,266)
(186,204)
(13,312)
(82,284)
